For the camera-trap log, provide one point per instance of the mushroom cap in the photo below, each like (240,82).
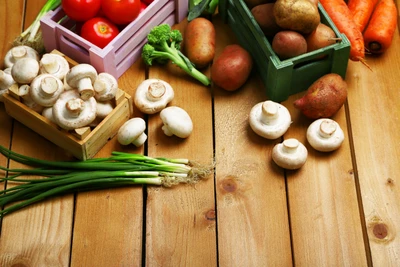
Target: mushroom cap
(325,135)
(269,119)
(45,89)
(79,72)
(6,79)
(68,121)
(290,154)
(152,95)
(176,122)
(54,64)
(103,108)
(131,131)
(105,87)
(18,52)
(25,70)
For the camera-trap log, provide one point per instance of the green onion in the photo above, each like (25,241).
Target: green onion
(66,177)
(32,35)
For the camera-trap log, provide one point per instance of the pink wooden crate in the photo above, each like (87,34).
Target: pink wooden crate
(121,52)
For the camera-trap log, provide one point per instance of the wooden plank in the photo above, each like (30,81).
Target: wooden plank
(374,110)
(253,225)
(108,223)
(324,214)
(180,226)
(39,235)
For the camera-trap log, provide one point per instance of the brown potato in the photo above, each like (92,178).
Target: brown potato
(321,37)
(231,69)
(297,15)
(199,41)
(264,15)
(287,44)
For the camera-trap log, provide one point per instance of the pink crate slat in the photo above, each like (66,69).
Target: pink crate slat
(182,7)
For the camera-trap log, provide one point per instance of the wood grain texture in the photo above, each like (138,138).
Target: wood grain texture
(180,227)
(253,225)
(108,223)
(375,120)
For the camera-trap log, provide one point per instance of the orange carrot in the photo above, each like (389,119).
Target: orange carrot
(379,33)
(361,11)
(340,14)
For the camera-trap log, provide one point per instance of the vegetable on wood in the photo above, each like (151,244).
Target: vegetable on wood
(361,11)
(120,169)
(325,135)
(163,45)
(32,35)
(340,14)
(378,35)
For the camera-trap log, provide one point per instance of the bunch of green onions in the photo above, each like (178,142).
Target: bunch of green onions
(32,36)
(65,177)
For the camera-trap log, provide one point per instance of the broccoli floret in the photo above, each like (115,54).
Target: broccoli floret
(163,44)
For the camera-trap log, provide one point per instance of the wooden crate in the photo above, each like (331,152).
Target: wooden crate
(82,143)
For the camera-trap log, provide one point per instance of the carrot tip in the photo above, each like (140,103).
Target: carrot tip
(364,62)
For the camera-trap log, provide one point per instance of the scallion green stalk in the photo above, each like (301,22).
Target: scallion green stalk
(65,177)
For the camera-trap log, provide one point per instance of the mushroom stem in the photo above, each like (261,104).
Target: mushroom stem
(85,88)
(290,145)
(24,93)
(74,107)
(50,64)
(49,86)
(140,140)
(18,52)
(269,112)
(327,128)
(155,91)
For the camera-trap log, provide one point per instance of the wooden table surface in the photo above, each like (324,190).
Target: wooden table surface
(340,209)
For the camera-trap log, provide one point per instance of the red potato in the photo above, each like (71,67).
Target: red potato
(232,68)
(288,44)
(199,40)
(264,15)
(322,36)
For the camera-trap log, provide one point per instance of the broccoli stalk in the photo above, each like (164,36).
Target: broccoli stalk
(163,44)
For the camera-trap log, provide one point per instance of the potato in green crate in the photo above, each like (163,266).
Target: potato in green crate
(282,78)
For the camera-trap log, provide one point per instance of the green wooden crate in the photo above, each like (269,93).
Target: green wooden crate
(283,78)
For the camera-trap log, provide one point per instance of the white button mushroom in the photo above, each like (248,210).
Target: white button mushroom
(25,70)
(6,80)
(72,112)
(24,93)
(325,135)
(45,89)
(18,52)
(290,154)
(105,87)
(269,119)
(103,108)
(54,64)
(152,95)
(82,77)
(132,132)
(48,113)
(176,122)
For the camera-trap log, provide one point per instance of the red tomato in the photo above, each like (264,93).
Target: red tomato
(121,12)
(81,10)
(143,6)
(99,31)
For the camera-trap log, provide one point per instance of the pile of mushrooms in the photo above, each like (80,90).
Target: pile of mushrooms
(271,120)
(72,97)
(152,96)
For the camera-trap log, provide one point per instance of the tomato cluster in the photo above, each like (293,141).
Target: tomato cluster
(102,19)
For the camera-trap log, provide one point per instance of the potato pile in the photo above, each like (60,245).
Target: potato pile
(293,26)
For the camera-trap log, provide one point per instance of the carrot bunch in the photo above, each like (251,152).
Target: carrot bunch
(368,24)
